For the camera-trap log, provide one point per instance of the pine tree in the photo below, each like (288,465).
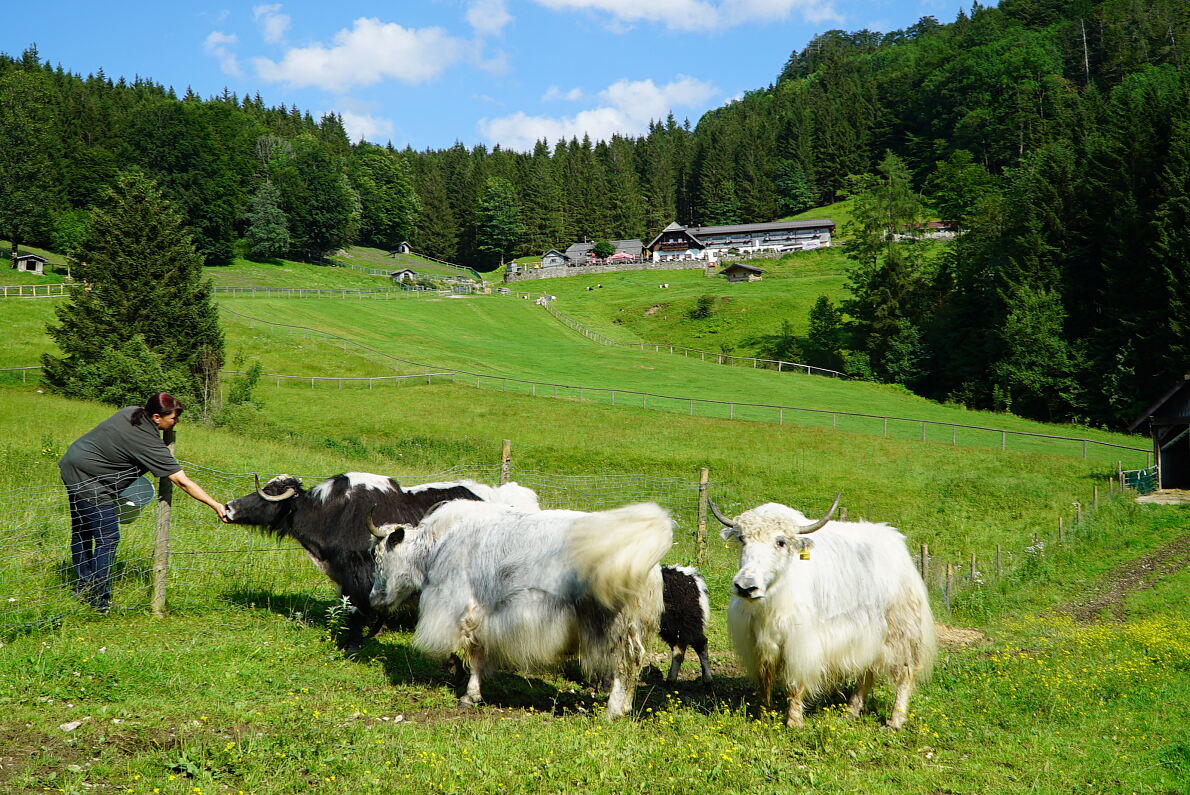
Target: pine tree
(30,150)
(268,230)
(544,219)
(145,302)
(436,231)
(625,200)
(498,219)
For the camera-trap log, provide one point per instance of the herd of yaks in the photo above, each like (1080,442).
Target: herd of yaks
(502,584)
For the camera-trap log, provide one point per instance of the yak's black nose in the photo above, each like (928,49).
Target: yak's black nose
(749,592)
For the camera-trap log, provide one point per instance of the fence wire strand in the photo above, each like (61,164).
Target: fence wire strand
(214,565)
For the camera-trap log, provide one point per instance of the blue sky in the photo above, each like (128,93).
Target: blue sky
(428,74)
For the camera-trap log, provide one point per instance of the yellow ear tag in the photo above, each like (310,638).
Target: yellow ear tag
(804,554)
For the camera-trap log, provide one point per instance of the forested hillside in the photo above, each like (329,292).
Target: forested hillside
(1055,135)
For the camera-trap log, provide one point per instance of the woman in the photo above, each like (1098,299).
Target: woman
(102,463)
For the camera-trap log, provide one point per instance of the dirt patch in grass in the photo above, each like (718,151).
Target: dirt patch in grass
(958,637)
(1124,580)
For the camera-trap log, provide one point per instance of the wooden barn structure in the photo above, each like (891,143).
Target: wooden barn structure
(30,263)
(738,272)
(1168,423)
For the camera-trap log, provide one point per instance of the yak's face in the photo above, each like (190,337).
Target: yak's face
(396,580)
(257,509)
(768,540)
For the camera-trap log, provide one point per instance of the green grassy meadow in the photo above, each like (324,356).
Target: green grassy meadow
(632,307)
(240,687)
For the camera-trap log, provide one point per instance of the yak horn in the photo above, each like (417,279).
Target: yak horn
(372,528)
(285,495)
(818,525)
(715,510)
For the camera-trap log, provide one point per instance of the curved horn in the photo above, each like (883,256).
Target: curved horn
(723,519)
(285,495)
(372,528)
(818,525)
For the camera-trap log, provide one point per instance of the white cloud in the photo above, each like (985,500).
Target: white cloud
(553,92)
(488,17)
(700,15)
(628,108)
(369,52)
(272,22)
(364,126)
(219,45)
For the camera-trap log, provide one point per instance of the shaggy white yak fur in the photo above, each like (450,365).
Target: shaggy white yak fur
(511,493)
(855,610)
(505,588)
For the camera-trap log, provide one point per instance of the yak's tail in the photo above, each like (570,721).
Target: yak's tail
(617,551)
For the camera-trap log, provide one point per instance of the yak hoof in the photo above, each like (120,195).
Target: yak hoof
(469,701)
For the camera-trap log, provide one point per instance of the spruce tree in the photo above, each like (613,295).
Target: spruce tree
(498,219)
(436,233)
(30,150)
(268,231)
(144,302)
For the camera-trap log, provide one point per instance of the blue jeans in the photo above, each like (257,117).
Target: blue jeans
(94,536)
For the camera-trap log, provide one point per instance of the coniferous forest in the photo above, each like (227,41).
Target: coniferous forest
(1055,134)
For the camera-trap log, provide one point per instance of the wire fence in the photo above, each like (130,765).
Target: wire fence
(888,427)
(406,291)
(214,566)
(689,353)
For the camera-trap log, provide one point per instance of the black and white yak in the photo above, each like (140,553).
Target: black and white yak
(525,590)
(814,612)
(685,617)
(330,522)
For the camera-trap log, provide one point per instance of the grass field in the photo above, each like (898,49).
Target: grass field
(1068,673)
(499,337)
(241,688)
(633,307)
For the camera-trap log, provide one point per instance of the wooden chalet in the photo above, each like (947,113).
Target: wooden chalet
(30,263)
(677,242)
(1168,423)
(739,272)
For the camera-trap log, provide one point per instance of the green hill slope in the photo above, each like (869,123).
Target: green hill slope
(632,306)
(498,337)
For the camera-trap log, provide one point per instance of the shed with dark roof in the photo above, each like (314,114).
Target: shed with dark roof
(1168,423)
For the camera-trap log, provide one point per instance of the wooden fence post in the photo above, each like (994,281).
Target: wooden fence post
(700,539)
(946,585)
(923,564)
(505,460)
(165,494)
(1059,529)
(999,564)
(971,574)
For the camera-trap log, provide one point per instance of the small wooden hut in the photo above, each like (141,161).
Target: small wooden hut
(30,263)
(739,272)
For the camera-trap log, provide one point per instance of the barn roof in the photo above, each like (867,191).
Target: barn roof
(1173,405)
(739,266)
(31,255)
(772,226)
